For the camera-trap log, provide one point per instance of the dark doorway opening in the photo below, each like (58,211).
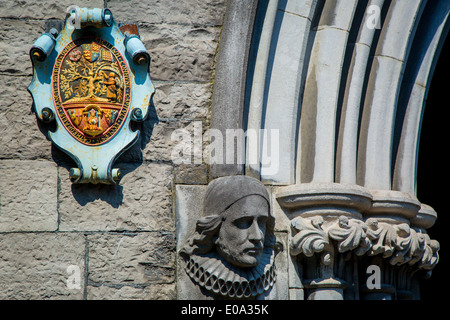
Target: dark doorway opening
(433,172)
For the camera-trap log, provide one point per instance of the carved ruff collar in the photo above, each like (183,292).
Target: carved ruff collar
(213,273)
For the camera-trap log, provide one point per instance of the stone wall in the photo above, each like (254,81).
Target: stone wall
(60,240)
(120,239)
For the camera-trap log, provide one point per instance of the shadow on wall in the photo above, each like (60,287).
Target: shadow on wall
(127,162)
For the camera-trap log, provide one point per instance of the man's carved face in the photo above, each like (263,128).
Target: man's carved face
(241,236)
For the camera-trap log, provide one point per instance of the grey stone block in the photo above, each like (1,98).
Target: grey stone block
(46,9)
(182,101)
(176,105)
(139,259)
(141,201)
(28,196)
(180,52)
(197,12)
(151,292)
(16,39)
(20,133)
(35,265)
(280,289)
(190,174)
(189,208)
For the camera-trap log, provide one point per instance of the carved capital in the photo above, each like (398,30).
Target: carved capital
(399,242)
(347,218)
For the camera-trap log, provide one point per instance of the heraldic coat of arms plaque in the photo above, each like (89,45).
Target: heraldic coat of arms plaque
(91,78)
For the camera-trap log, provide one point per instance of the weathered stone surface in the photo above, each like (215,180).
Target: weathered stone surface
(301,8)
(283,94)
(28,196)
(34,265)
(281,287)
(190,174)
(16,39)
(36,195)
(160,142)
(189,208)
(174,106)
(46,9)
(165,138)
(231,73)
(197,12)
(141,200)
(180,52)
(182,101)
(152,292)
(135,259)
(20,135)
(282,221)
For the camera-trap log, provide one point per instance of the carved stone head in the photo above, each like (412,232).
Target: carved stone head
(231,250)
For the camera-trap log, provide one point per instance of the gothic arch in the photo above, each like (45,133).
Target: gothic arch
(346,95)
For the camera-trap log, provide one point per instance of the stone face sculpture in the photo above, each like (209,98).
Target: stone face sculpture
(230,254)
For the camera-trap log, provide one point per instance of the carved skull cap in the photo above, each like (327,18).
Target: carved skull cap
(223,192)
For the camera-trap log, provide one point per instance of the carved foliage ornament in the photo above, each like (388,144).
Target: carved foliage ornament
(402,244)
(91,79)
(398,242)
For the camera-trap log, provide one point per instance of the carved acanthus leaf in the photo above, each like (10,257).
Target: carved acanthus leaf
(402,244)
(386,238)
(398,242)
(413,247)
(309,237)
(350,235)
(430,255)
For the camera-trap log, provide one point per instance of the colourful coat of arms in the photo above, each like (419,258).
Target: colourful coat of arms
(92,80)
(91,90)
